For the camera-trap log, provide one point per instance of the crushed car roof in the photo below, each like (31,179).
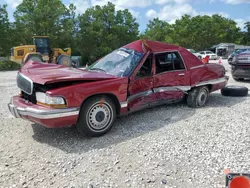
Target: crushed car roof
(148,45)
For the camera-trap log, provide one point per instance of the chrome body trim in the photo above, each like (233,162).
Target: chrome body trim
(124,104)
(42,114)
(196,67)
(215,81)
(172,88)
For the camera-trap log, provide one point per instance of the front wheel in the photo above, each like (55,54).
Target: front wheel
(198,97)
(97,116)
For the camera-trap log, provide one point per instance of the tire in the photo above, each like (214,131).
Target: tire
(198,97)
(234,91)
(64,60)
(92,115)
(34,57)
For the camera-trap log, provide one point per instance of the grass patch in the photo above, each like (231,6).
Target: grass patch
(9,65)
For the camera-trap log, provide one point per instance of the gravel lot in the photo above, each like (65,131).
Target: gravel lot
(168,146)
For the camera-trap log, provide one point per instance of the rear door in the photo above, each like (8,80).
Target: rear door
(171,77)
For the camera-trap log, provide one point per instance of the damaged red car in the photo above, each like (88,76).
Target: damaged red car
(138,75)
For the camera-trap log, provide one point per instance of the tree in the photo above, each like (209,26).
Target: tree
(45,17)
(202,32)
(4,31)
(102,29)
(246,34)
(158,30)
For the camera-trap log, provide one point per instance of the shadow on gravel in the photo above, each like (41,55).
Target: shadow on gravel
(125,128)
(218,100)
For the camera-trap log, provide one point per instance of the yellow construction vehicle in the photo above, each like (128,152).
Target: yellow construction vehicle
(41,51)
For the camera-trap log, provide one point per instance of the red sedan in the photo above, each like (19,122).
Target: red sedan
(136,76)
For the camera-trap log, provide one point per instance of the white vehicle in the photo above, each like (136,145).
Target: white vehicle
(195,53)
(208,53)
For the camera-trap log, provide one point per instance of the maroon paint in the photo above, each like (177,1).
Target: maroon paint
(50,123)
(52,73)
(76,94)
(138,86)
(168,79)
(121,88)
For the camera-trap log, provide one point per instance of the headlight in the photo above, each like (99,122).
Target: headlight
(47,100)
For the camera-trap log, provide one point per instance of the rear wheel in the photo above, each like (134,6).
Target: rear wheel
(33,57)
(97,116)
(198,97)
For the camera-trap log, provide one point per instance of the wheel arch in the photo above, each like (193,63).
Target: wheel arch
(210,86)
(110,95)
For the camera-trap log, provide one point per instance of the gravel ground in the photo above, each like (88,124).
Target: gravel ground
(167,146)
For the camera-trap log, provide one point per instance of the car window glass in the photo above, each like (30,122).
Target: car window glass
(20,52)
(169,61)
(120,62)
(146,68)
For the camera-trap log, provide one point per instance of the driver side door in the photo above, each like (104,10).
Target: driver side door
(140,90)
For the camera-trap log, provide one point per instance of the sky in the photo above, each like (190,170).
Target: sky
(167,10)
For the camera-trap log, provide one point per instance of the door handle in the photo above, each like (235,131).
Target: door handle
(181,74)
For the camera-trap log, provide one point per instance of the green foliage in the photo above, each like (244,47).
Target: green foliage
(45,17)
(4,31)
(199,32)
(9,65)
(102,29)
(158,30)
(246,34)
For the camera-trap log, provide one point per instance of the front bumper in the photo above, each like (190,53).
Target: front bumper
(47,117)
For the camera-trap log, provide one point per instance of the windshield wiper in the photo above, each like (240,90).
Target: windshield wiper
(97,69)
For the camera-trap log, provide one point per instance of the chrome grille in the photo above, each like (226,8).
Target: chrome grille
(24,83)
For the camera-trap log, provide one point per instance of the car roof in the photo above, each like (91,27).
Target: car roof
(154,46)
(145,46)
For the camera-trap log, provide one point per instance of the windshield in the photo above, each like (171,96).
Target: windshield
(120,62)
(209,52)
(239,51)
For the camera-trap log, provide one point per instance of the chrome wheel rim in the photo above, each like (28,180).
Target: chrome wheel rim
(202,97)
(99,116)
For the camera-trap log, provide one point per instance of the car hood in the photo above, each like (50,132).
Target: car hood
(44,73)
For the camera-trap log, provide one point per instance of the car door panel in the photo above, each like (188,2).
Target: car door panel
(171,85)
(140,90)
(141,93)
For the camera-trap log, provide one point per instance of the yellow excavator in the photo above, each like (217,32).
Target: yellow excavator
(42,52)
